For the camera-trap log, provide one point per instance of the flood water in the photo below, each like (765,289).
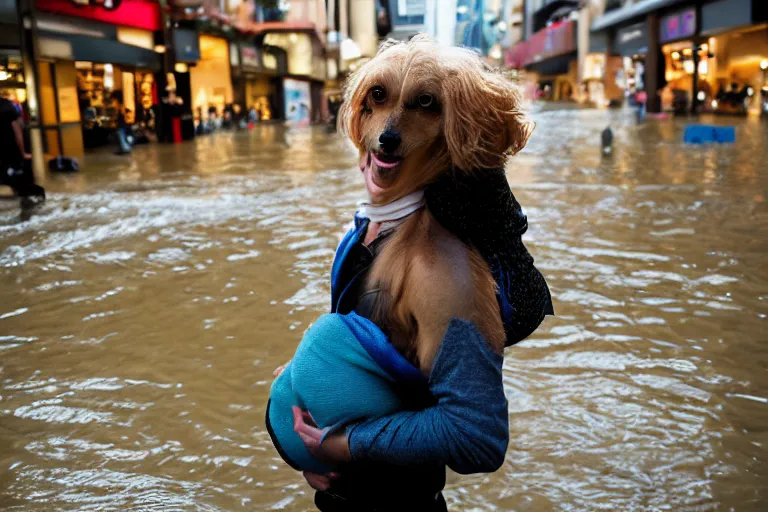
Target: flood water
(144,308)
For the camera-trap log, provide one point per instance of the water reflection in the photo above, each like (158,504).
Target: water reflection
(146,305)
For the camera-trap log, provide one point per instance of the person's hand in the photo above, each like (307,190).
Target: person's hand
(320,482)
(334,448)
(279,369)
(27,156)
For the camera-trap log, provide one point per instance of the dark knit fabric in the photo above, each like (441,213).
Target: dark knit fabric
(481,210)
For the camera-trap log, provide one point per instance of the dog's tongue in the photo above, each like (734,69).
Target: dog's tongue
(385,161)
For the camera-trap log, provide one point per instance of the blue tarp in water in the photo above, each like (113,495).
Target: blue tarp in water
(705,134)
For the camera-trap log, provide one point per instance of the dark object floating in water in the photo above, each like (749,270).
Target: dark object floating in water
(606,139)
(63,164)
(706,134)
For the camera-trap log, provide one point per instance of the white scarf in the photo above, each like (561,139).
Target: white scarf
(393,214)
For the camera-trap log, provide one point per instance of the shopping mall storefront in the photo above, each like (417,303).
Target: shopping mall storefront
(549,58)
(94,65)
(211,80)
(691,56)
(715,58)
(302,86)
(257,78)
(103,89)
(723,69)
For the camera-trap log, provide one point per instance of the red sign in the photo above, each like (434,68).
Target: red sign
(144,14)
(109,5)
(517,56)
(249,57)
(552,41)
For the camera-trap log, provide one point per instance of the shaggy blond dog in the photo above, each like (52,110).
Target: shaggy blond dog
(415,111)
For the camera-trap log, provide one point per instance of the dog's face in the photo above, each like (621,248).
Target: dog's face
(418,109)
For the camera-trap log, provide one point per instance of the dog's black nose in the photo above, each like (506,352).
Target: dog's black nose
(389,141)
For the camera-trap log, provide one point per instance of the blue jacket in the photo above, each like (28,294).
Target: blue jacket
(344,370)
(465,427)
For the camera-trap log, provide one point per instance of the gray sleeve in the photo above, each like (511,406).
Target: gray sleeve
(468,428)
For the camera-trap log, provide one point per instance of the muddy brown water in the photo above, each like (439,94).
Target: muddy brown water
(145,306)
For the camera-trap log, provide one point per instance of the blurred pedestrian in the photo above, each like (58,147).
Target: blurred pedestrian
(15,162)
(122,131)
(12,150)
(213,119)
(641,98)
(228,117)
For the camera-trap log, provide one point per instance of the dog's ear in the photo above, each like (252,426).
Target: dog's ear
(483,121)
(351,110)
(348,121)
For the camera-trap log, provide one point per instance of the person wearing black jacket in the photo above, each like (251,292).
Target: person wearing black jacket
(15,161)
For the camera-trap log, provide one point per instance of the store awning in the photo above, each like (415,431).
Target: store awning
(554,40)
(632,39)
(107,51)
(553,66)
(618,16)
(546,44)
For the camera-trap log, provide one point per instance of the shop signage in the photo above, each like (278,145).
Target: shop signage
(632,39)
(109,5)
(557,39)
(249,57)
(187,45)
(298,102)
(143,14)
(678,26)
(630,35)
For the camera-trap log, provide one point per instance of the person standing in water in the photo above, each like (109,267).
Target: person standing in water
(122,131)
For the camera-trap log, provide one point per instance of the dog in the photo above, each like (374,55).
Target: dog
(415,112)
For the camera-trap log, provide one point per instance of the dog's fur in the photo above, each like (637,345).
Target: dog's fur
(425,275)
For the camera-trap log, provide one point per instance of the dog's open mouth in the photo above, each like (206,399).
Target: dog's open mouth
(385,161)
(381,170)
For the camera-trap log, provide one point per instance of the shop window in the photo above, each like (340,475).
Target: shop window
(594,66)
(12,78)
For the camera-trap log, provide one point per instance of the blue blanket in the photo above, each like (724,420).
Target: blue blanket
(344,370)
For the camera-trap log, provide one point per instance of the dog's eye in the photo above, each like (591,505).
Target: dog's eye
(378,94)
(426,101)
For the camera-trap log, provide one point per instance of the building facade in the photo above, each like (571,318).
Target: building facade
(687,55)
(77,67)
(547,52)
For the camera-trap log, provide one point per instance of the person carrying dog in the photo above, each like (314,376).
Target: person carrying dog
(404,377)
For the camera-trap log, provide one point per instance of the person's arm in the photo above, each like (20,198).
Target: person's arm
(19,134)
(468,429)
